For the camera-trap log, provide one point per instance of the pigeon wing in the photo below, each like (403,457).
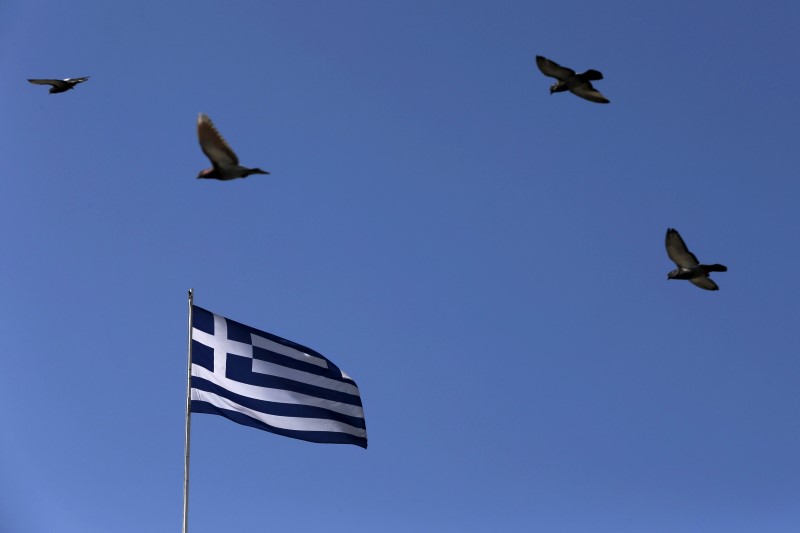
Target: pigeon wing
(705,283)
(586,90)
(54,83)
(76,81)
(553,69)
(213,145)
(679,253)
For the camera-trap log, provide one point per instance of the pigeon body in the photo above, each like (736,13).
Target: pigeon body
(568,80)
(60,86)
(689,267)
(225,163)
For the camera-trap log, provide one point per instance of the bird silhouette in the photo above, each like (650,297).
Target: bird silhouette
(567,80)
(688,266)
(225,163)
(60,86)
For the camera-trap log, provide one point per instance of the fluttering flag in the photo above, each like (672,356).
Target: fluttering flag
(261,380)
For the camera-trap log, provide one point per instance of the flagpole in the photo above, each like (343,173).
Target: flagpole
(188,421)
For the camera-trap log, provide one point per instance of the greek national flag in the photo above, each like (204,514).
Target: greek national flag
(260,380)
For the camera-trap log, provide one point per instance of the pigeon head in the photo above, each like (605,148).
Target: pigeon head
(673,274)
(205,173)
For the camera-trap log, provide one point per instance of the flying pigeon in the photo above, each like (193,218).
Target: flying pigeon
(225,163)
(60,86)
(578,84)
(688,265)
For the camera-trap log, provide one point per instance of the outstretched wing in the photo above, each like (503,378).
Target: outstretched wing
(54,83)
(586,90)
(75,81)
(213,145)
(679,253)
(705,283)
(553,69)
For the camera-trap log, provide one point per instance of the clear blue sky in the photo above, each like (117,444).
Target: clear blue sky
(486,260)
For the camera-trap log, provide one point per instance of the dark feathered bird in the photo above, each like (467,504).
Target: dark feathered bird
(688,265)
(60,86)
(225,163)
(579,84)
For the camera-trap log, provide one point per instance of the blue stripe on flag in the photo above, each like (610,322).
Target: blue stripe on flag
(240,369)
(310,436)
(203,355)
(275,408)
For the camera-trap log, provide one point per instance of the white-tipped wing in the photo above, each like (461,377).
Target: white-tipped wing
(75,81)
(679,253)
(213,145)
(553,69)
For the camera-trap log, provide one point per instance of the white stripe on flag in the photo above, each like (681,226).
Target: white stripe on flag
(282,422)
(276,395)
(272,346)
(271,369)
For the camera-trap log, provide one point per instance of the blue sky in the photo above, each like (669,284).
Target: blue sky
(486,260)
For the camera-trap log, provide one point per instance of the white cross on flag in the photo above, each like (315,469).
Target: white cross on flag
(261,380)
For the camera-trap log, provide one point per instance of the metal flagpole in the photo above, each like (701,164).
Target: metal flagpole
(188,422)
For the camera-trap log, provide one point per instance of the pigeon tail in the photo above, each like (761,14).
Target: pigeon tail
(716,268)
(592,75)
